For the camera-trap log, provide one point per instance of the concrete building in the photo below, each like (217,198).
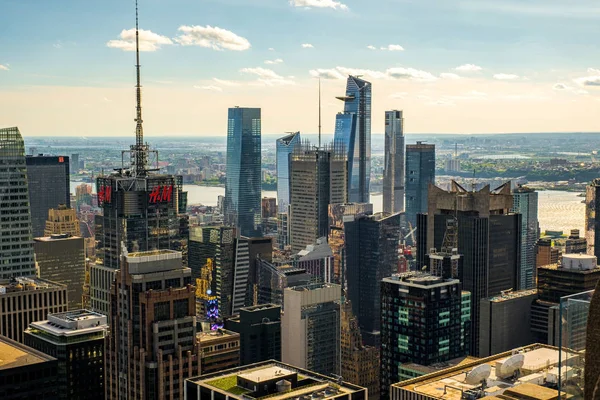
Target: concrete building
(219,350)
(273,379)
(49,186)
(526,373)
(547,253)
(420,173)
(152,343)
(575,273)
(15,202)
(62,220)
(310,328)
(317,179)
(505,322)
(26,373)
(259,328)
(76,340)
(393,169)
(61,259)
(424,320)
(371,254)
(268,207)
(488,236)
(525,202)
(26,300)
(283,231)
(575,244)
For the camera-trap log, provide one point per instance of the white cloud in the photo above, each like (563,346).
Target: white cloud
(393,47)
(468,68)
(588,80)
(506,77)
(3,68)
(319,4)
(307,46)
(449,75)
(267,76)
(560,86)
(276,61)
(594,71)
(326,73)
(211,37)
(371,47)
(210,87)
(410,73)
(224,82)
(271,49)
(368,73)
(149,41)
(399,95)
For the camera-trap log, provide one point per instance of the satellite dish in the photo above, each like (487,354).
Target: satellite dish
(511,365)
(478,374)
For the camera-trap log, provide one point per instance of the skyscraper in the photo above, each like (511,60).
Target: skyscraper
(525,202)
(48,179)
(592,218)
(62,220)
(393,169)
(420,172)
(14,201)
(141,208)
(318,179)
(310,328)
(425,320)
(285,148)
(244,179)
(152,346)
(353,131)
(371,255)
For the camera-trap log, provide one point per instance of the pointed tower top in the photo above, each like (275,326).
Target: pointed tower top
(139,149)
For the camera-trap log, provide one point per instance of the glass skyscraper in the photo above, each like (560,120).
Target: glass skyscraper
(15,225)
(285,147)
(420,172)
(393,170)
(243,184)
(525,202)
(353,130)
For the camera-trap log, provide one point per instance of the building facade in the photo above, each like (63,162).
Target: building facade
(152,345)
(244,179)
(259,328)
(575,244)
(546,252)
(420,172)
(273,279)
(318,179)
(592,217)
(219,350)
(61,259)
(285,147)
(76,340)
(26,300)
(424,320)
(525,202)
(62,220)
(353,132)
(310,328)
(371,255)
(49,186)
(15,224)
(393,167)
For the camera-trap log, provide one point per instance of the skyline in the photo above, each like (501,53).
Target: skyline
(467,67)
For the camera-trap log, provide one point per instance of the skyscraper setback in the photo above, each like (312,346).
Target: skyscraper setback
(244,180)
(14,203)
(393,170)
(353,130)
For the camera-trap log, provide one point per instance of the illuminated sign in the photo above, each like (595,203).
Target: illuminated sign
(104,195)
(161,194)
(61,159)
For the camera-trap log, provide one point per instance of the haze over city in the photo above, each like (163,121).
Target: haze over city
(453,67)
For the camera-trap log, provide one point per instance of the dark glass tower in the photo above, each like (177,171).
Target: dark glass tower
(393,170)
(592,217)
(526,203)
(420,172)
(371,255)
(15,224)
(285,147)
(243,184)
(49,186)
(353,130)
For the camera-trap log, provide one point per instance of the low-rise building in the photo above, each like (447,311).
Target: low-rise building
(219,350)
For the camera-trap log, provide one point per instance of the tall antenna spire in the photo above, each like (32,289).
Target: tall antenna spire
(140,150)
(319,112)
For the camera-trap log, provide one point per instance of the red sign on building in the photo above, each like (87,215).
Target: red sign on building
(104,195)
(161,194)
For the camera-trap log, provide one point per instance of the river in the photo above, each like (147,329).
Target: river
(557,210)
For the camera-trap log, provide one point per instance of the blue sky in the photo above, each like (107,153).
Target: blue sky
(520,59)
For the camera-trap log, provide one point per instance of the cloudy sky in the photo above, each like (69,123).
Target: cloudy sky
(453,66)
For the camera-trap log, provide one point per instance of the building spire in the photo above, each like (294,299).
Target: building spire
(319,112)
(140,149)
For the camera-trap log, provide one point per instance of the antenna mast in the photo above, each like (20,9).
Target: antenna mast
(139,150)
(319,112)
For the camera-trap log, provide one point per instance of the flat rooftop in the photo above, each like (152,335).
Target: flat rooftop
(267,373)
(538,361)
(14,355)
(419,280)
(21,284)
(513,295)
(209,336)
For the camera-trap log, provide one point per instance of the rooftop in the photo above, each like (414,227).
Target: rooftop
(14,355)
(505,296)
(521,370)
(419,279)
(208,336)
(29,283)
(72,323)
